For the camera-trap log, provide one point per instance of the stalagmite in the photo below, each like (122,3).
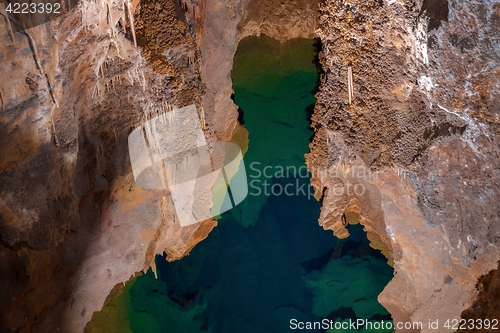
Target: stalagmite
(131,19)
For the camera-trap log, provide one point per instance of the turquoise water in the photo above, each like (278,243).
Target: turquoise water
(268,261)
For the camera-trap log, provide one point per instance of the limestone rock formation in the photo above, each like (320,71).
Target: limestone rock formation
(413,156)
(73,222)
(423,127)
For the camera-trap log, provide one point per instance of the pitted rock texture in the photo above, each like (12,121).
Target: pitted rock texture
(168,43)
(281,20)
(425,120)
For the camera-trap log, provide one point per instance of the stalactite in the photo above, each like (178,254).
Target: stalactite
(101,70)
(148,133)
(144,84)
(170,117)
(352,84)
(130,77)
(96,90)
(110,19)
(349,84)
(131,19)
(124,24)
(162,114)
(202,119)
(147,127)
(155,136)
(113,41)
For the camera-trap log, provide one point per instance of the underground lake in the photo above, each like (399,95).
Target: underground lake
(268,265)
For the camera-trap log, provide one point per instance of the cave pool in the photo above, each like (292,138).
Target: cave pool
(268,261)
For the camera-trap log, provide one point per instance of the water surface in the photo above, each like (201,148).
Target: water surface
(268,261)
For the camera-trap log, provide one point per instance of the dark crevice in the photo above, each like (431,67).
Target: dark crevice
(436,11)
(317,63)
(241,113)
(487,303)
(443,129)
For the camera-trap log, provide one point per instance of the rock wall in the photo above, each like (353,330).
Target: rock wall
(418,141)
(73,223)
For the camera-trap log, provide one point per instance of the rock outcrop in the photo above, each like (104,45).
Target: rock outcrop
(415,151)
(73,222)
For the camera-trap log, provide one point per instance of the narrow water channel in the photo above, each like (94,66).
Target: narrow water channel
(268,261)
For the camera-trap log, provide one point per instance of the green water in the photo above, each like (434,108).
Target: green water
(267,261)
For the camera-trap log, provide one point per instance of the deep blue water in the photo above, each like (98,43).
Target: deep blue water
(268,261)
